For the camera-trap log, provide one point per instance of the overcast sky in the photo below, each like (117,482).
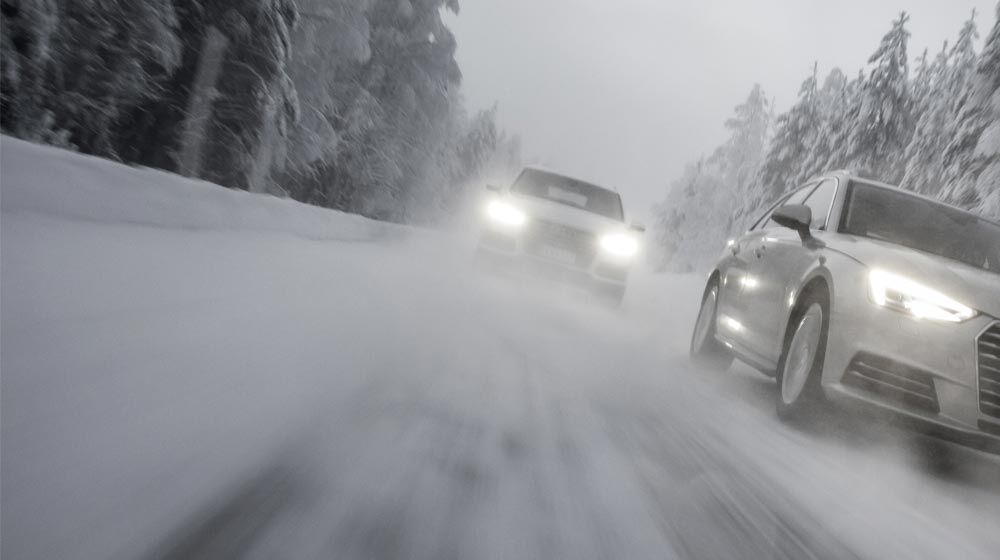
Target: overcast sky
(625,92)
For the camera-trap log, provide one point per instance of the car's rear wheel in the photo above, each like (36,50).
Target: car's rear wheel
(800,395)
(705,350)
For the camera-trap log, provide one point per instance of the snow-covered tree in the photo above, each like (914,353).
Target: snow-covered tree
(794,135)
(942,127)
(351,104)
(921,89)
(26,31)
(741,156)
(972,158)
(923,154)
(81,66)
(394,111)
(833,102)
(880,122)
(331,36)
(687,227)
(938,89)
(256,98)
(701,208)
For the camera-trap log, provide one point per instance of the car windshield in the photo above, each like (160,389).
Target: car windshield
(570,192)
(924,225)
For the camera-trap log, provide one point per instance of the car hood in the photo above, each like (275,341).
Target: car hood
(562,214)
(976,288)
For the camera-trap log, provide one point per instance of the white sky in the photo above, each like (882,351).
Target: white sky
(625,92)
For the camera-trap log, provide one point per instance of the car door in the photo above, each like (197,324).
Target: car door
(780,262)
(735,309)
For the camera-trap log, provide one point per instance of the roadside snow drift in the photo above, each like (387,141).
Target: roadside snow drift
(42,180)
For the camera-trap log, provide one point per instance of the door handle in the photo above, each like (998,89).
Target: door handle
(759,251)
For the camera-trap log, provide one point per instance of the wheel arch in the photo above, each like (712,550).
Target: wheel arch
(716,276)
(818,282)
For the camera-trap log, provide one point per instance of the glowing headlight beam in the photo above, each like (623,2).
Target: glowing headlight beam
(505,213)
(620,244)
(902,294)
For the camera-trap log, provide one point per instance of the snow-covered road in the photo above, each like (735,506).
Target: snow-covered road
(183,392)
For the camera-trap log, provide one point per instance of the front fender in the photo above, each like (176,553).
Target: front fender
(829,268)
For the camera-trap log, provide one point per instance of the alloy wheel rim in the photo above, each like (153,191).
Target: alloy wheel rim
(801,354)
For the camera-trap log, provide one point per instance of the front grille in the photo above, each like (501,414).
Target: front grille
(893,381)
(542,237)
(988,358)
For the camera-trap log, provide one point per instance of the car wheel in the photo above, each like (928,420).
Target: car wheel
(800,395)
(705,350)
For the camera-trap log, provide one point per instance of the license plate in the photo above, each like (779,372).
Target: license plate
(561,256)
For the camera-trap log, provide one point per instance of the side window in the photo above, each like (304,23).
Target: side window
(819,202)
(796,198)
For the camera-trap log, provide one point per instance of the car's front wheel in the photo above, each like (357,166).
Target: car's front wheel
(705,349)
(800,395)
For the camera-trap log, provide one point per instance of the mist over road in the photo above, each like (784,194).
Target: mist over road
(173,393)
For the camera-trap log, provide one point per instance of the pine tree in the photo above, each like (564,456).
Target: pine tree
(395,111)
(795,134)
(949,79)
(880,124)
(330,36)
(925,78)
(833,100)
(923,155)
(26,31)
(702,206)
(972,158)
(749,128)
(256,98)
(476,147)
(108,57)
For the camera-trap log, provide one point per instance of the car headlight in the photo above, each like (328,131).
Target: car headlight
(906,296)
(505,213)
(620,245)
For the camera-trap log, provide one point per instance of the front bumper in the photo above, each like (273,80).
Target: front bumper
(591,271)
(923,371)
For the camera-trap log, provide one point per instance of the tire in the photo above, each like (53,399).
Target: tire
(800,394)
(705,351)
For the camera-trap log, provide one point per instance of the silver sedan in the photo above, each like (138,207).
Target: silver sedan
(851,290)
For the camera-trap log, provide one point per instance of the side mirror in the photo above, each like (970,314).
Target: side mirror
(794,216)
(494,188)
(637,227)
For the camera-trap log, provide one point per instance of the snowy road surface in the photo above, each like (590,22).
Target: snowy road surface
(179,392)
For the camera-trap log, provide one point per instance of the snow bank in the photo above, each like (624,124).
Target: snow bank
(163,340)
(46,180)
